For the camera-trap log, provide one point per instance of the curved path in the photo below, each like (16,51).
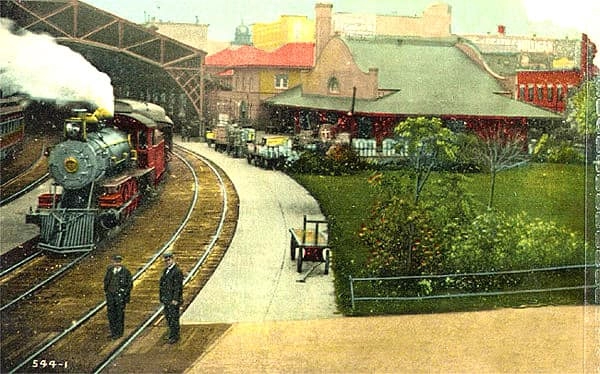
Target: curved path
(256,280)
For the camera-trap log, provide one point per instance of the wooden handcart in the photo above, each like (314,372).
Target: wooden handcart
(311,244)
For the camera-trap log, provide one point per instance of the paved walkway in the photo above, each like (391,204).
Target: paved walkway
(257,280)
(13,229)
(560,340)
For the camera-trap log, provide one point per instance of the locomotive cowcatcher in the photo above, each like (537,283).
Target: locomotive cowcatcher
(102,170)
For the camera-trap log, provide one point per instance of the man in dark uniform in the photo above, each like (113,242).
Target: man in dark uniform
(117,287)
(171,295)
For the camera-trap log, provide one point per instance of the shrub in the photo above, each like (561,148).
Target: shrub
(548,149)
(407,238)
(495,242)
(339,159)
(465,160)
(565,154)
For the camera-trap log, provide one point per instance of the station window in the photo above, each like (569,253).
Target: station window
(559,92)
(550,92)
(333,85)
(540,92)
(281,81)
(522,91)
(530,93)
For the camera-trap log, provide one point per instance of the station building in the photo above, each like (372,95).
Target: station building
(365,85)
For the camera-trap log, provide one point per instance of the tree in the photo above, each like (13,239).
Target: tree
(497,150)
(581,109)
(426,142)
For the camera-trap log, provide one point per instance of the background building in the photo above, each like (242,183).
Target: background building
(193,34)
(242,77)
(436,21)
(288,29)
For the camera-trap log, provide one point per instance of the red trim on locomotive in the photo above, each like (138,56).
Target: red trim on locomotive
(48,200)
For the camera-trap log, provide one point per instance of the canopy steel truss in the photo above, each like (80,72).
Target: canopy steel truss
(75,22)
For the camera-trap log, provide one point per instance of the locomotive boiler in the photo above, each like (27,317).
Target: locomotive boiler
(102,170)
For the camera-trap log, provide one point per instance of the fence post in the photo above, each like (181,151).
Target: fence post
(351,291)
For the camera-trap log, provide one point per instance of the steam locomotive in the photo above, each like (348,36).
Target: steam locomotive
(102,170)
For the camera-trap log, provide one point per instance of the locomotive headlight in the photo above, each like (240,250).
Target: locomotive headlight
(72,130)
(71,164)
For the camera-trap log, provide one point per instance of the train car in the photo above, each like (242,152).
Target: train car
(272,152)
(12,126)
(102,170)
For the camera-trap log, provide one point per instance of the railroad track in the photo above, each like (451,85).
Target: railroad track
(63,327)
(24,181)
(30,275)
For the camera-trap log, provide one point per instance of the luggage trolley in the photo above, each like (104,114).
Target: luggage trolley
(311,243)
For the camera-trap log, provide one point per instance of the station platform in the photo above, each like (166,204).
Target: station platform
(13,229)
(257,280)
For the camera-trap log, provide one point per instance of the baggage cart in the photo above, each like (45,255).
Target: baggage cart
(311,244)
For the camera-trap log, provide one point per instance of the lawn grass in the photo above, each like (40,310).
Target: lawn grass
(551,192)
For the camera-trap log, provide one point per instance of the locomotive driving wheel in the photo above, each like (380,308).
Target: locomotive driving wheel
(128,190)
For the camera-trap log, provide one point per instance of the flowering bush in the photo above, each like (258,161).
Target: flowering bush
(496,242)
(410,238)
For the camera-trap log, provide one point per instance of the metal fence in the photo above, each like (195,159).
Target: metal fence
(418,278)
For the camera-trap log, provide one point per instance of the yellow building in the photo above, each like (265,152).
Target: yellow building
(288,29)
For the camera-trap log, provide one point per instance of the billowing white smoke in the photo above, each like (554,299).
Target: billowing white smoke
(36,65)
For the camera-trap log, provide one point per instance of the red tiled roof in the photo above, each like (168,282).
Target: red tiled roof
(288,55)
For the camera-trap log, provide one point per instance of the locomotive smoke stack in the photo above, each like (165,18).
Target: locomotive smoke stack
(79,113)
(34,64)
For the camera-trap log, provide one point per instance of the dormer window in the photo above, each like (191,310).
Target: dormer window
(333,85)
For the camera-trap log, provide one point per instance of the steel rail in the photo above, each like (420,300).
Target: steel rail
(24,190)
(19,264)
(44,282)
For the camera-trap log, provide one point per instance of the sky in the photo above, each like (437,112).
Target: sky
(468,16)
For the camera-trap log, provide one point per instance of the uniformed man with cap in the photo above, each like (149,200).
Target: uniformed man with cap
(117,287)
(171,295)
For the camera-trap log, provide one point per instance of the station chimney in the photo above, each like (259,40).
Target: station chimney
(323,26)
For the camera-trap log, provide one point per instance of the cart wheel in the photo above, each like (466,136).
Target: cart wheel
(292,248)
(326,262)
(299,261)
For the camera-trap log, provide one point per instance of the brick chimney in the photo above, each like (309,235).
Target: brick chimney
(501,30)
(323,27)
